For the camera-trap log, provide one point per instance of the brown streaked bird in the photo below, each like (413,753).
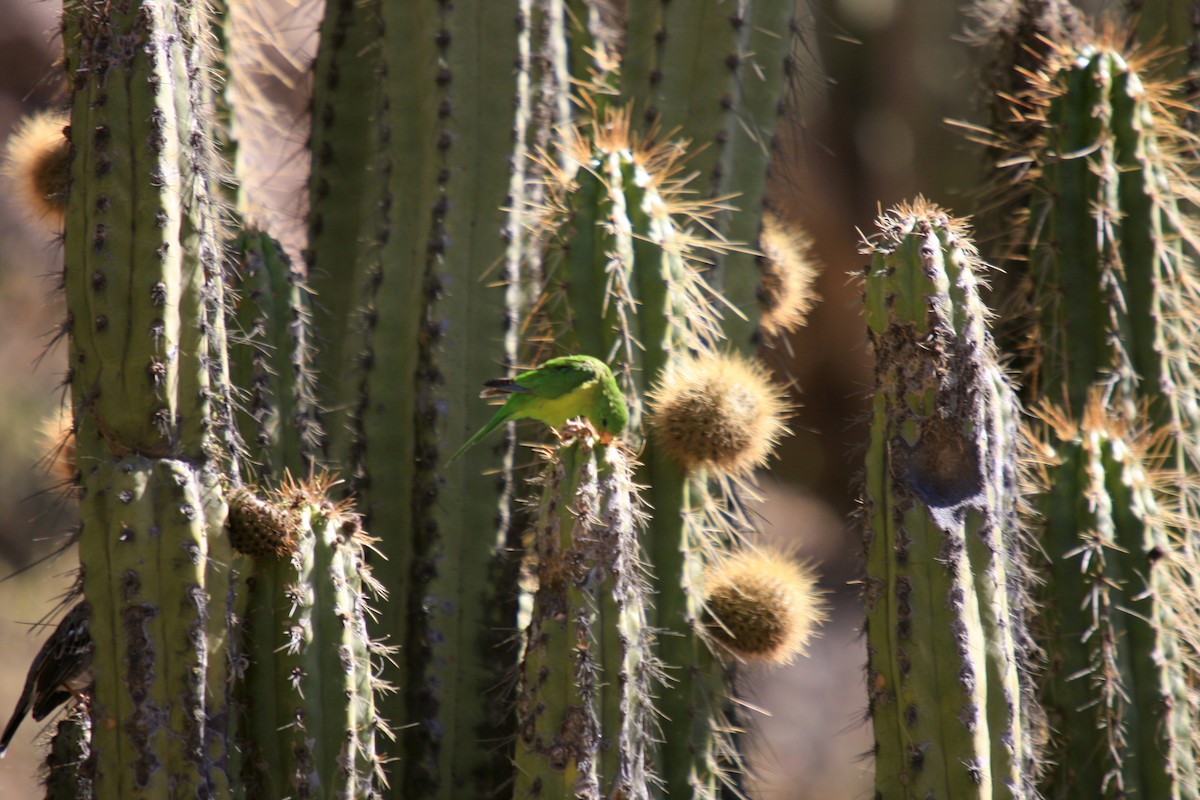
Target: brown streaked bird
(62,669)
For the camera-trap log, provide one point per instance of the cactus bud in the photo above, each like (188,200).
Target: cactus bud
(38,164)
(718,411)
(259,528)
(762,606)
(787,273)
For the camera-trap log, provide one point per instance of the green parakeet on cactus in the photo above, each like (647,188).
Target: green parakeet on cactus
(561,389)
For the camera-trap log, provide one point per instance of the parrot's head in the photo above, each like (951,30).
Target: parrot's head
(611,415)
(616,417)
(614,414)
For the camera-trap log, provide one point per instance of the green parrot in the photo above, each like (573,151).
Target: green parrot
(561,389)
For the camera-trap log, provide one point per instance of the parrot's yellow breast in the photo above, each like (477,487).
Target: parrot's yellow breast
(556,411)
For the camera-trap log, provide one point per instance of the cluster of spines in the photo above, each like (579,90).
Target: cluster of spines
(761,605)
(37,165)
(944,592)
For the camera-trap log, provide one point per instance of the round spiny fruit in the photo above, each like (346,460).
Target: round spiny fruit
(717,411)
(258,527)
(786,293)
(38,164)
(761,606)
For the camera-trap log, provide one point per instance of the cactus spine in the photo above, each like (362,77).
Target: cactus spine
(944,590)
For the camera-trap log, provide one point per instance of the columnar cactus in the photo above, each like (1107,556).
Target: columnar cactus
(421,192)
(949,694)
(1111,281)
(1119,618)
(271,361)
(310,718)
(625,282)
(69,766)
(143,277)
(588,669)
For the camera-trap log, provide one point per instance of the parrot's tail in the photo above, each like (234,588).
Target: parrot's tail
(502,416)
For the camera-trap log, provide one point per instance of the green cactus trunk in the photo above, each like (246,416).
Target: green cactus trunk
(347,194)
(588,670)
(146,560)
(715,73)
(624,285)
(69,764)
(947,695)
(1116,689)
(310,711)
(151,395)
(1111,270)
(270,360)
(435,326)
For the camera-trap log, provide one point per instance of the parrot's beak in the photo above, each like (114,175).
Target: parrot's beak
(605,438)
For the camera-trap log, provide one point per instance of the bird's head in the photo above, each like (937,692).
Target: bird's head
(615,416)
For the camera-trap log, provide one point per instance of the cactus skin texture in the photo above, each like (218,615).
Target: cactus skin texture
(310,713)
(344,199)
(943,593)
(147,526)
(588,670)
(431,328)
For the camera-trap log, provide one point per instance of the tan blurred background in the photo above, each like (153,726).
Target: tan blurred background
(879,78)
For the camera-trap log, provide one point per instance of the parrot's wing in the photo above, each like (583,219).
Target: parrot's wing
(553,380)
(499,387)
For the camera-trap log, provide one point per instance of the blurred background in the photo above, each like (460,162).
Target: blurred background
(879,79)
